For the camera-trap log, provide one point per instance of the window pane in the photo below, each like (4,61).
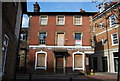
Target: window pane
(115,38)
(77,36)
(112,20)
(60,20)
(77,20)
(78,40)
(43,20)
(42,38)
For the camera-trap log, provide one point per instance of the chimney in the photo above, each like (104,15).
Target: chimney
(81,10)
(36,7)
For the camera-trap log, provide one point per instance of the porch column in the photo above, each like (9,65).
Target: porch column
(54,64)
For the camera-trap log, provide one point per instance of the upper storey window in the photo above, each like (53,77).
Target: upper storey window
(102,8)
(43,20)
(42,38)
(22,37)
(114,39)
(112,19)
(78,39)
(60,20)
(77,20)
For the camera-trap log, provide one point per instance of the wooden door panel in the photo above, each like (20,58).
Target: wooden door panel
(59,65)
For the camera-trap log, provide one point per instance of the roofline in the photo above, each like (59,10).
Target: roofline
(60,13)
(100,14)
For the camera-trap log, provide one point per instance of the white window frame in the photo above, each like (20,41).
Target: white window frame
(102,8)
(22,37)
(114,61)
(45,39)
(101,25)
(81,38)
(57,23)
(116,38)
(103,41)
(80,20)
(111,20)
(5,45)
(44,19)
(83,60)
(37,67)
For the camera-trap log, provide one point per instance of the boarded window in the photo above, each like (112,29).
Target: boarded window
(60,40)
(78,61)
(41,60)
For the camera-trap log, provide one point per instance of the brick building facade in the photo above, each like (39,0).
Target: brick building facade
(23,49)
(59,42)
(106,38)
(11,23)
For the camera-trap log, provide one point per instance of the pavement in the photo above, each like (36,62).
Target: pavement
(101,76)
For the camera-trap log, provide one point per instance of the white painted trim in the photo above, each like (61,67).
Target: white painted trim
(107,30)
(45,60)
(89,52)
(37,46)
(83,56)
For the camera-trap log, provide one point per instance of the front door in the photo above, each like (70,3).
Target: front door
(95,63)
(104,64)
(59,64)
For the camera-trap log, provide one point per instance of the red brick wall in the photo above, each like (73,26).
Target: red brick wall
(52,28)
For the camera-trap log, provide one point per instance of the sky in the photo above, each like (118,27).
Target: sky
(61,7)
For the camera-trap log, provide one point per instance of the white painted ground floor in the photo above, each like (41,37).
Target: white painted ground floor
(105,61)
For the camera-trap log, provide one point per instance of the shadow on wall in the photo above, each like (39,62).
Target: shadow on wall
(99,60)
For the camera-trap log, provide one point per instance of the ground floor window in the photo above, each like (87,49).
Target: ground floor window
(78,61)
(116,61)
(41,60)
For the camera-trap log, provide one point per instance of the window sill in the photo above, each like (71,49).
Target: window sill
(42,68)
(112,25)
(77,69)
(78,25)
(115,44)
(43,24)
(42,45)
(60,25)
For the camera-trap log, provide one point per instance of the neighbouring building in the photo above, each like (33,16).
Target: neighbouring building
(23,50)
(12,13)
(59,42)
(106,38)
